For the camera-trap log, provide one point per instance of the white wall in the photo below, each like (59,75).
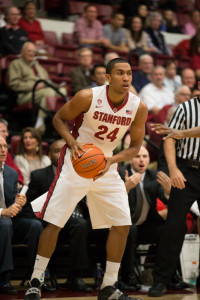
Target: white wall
(65,26)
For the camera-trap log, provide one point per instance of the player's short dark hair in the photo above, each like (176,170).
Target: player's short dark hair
(100,65)
(113,62)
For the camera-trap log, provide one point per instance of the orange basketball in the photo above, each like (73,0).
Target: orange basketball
(90,161)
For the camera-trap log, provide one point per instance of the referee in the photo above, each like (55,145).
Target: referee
(183,159)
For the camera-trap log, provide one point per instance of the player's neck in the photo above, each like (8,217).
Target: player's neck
(116,98)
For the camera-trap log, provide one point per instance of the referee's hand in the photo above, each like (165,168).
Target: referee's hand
(177,178)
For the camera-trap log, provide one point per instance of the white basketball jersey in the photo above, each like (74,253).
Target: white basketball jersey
(104,124)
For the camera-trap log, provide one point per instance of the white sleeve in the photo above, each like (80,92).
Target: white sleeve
(1,211)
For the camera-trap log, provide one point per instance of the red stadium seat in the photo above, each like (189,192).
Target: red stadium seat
(52,65)
(51,37)
(66,52)
(184,62)
(67,38)
(68,65)
(160,59)
(104,12)
(76,7)
(52,4)
(182,18)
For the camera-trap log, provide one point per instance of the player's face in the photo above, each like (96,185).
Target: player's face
(3,150)
(30,142)
(55,152)
(141,161)
(120,78)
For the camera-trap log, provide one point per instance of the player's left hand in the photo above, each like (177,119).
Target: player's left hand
(20,199)
(102,172)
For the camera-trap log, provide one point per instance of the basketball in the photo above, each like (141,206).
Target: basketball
(90,161)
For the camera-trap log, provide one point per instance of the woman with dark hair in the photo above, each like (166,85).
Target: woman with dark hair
(29,154)
(136,38)
(31,25)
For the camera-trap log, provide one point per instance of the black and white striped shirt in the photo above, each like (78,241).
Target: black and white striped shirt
(186,116)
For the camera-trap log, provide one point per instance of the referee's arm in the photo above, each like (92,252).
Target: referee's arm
(176,176)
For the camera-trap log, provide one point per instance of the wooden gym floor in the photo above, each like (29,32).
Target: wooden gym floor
(63,294)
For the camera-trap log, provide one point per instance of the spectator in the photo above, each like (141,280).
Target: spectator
(19,230)
(182,49)
(147,222)
(76,229)
(31,25)
(154,94)
(143,76)
(29,154)
(143,12)
(172,80)
(188,78)
(9,160)
(81,75)
(98,75)
(115,33)
(182,94)
(170,22)
(88,30)
(109,56)
(155,38)
(23,74)
(136,38)
(191,27)
(12,37)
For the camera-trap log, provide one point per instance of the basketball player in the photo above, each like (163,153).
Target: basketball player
(174,133)
(103,115)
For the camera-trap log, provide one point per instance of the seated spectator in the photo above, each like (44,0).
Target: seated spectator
(12,37)
(182,49)
(182,94)
(19,230)
(23,74)
(76,229)
(88,30)
(81,75)
(115,33)
(29,153)
(143,12)
(170,22)
(188,78)
(136,38)
(154,94)
(109,56)
(98,75)
(2,16)
(172,80)
(191,27)
(143,76)
(144,186)
(195,50)
(155,38)
(9,160)
(31,25)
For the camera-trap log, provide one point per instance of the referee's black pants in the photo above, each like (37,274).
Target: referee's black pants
(171,241)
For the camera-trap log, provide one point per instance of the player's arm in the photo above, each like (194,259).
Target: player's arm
(174,133)
(78,104)
(137,132)
(176,176)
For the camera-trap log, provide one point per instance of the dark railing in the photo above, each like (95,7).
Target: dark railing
(34,105)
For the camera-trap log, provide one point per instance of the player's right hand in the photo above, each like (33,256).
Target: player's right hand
(76,149)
